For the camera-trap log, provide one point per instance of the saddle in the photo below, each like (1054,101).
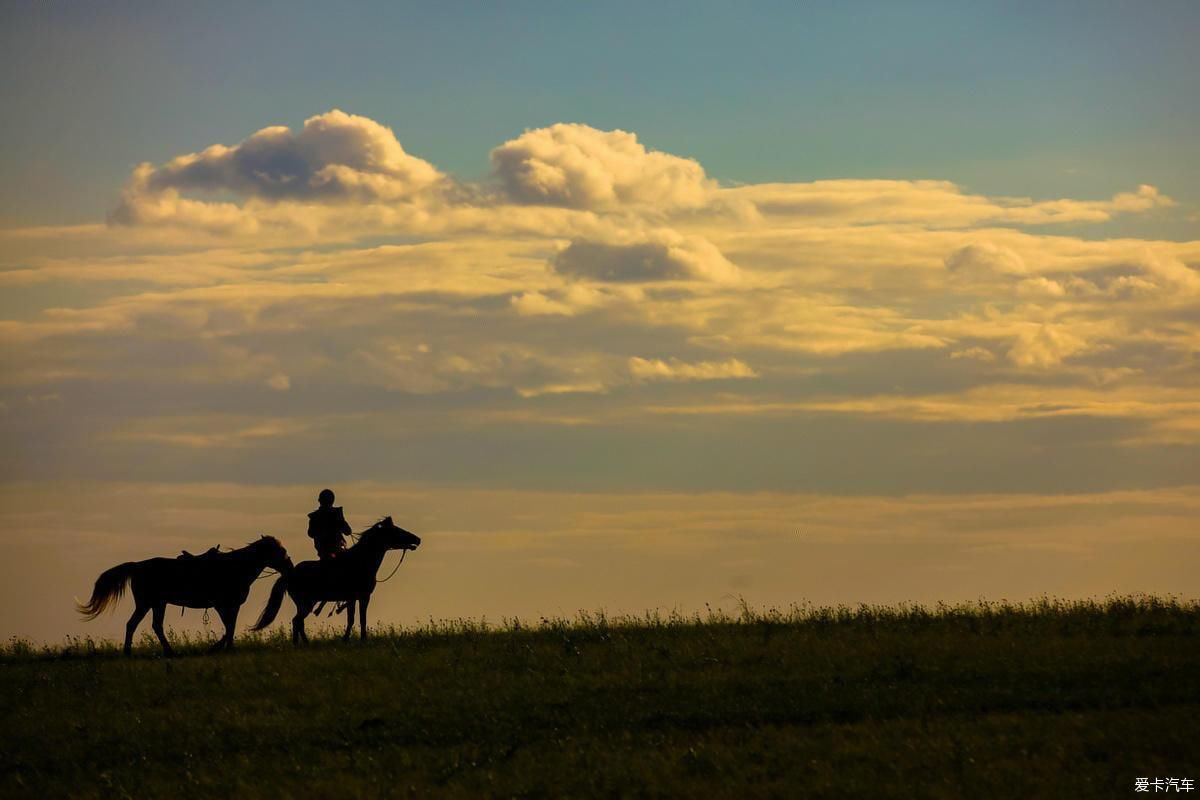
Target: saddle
(211,552)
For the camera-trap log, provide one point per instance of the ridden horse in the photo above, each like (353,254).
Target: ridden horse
(348,578)
(213,580)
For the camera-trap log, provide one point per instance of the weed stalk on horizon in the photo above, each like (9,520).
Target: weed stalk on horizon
(1113,613)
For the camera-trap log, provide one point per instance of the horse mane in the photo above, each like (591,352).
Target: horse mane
(264,539)
(367,531)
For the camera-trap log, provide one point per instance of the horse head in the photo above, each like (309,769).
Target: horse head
(274,554)
(393,536)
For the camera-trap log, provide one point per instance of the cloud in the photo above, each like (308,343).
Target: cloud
(578,166)
(1145,198)
(985,267)
(934,203)
(974,354)
(1044,346)
(661,256)
(675,370)
(537,304)
(576,298)
(984,260)
(343,177)
(335,157)
(1172,273)
(213,431)
(504,304)
(993,403)
(1040,287)
(279,382)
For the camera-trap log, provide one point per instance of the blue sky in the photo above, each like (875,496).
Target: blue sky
(1029,99)
(846,301)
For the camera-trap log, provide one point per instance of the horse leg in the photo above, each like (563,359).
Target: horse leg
(231,626)
(302,611)
(362,615)
(229,619)
(160,611)
(349,620)
(139,613)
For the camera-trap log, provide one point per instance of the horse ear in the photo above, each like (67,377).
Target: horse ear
(388,520)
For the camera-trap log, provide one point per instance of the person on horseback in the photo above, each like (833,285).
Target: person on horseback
(327,527)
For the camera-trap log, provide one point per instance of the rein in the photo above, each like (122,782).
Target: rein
(403,553)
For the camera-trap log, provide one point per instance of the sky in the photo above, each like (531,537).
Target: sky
(618,307)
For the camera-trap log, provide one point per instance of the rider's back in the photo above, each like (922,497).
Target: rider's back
(326,526)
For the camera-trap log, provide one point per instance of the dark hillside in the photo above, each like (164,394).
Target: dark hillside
(1040,700)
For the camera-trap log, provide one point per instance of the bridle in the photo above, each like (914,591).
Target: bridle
(403,553)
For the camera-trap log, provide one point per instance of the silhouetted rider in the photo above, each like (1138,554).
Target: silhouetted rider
(327,526)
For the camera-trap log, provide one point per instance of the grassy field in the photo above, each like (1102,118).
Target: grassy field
(1047,699)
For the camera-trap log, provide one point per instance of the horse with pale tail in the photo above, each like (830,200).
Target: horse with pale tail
(216,580)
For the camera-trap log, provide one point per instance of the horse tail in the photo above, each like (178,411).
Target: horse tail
(273,604)
(109,588)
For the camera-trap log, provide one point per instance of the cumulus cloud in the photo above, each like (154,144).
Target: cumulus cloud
(342,176)
(1172,273)
(561,277)
(984,260)
(1044,346)
(660,256)
(1145,198)
(578,166)
(335,157)
(1040,287)
(1125,276)
(656,369)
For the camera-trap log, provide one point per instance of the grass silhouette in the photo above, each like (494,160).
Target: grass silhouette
(1045,698)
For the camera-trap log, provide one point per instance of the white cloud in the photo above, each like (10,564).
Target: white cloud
(984,260)
(578,166)
(1044,346)
(335,156)
(538,304)
(574,299)
(245,284)
(660,256)
(974,354)
(1171,272)
(935,203)
(655,369)
(1040,287)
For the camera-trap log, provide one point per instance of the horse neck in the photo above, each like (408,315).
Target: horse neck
(251,558)
(371,550)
